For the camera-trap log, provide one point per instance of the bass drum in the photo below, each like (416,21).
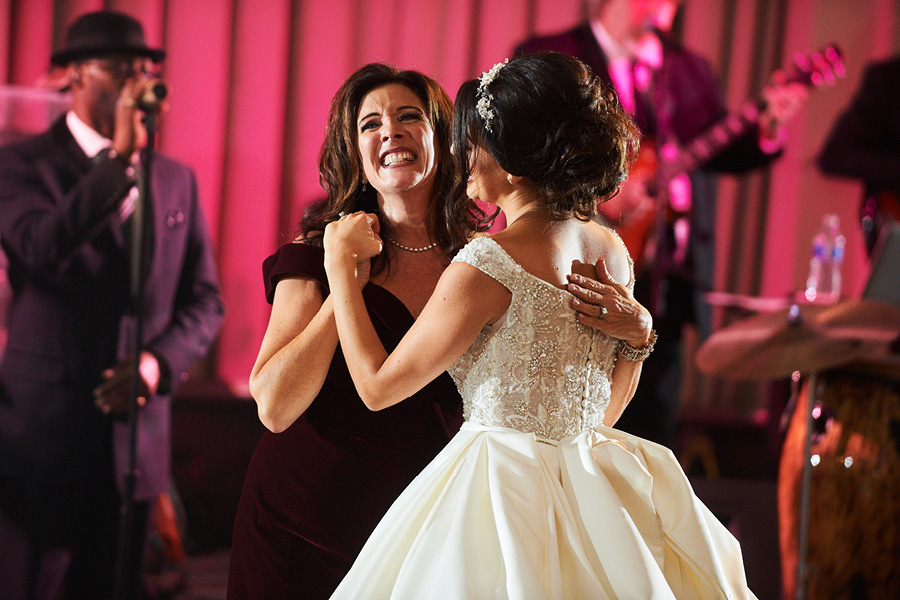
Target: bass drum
(854,512)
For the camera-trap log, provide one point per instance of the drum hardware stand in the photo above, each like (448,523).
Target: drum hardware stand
(805,485)
(785,420)
(795,319)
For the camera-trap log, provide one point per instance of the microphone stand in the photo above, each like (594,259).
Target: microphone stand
(127,568)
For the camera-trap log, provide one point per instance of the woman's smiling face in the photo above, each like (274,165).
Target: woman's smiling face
(396,140)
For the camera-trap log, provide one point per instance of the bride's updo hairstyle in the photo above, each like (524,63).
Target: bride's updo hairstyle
(547,117)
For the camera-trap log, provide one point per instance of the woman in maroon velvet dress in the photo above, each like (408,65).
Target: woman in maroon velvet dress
(329,468)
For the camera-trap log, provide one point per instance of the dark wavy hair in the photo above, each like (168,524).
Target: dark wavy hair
(341,172)
(554,122)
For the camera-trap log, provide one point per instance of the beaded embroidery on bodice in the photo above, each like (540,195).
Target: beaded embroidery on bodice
(536,369)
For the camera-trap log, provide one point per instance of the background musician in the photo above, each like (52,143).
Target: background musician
(865,144)
(674,97)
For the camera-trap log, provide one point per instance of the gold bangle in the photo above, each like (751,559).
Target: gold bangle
(630,353)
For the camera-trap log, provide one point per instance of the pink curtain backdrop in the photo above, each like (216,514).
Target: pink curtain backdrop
(251,82)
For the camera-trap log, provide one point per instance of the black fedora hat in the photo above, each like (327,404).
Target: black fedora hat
(102,33)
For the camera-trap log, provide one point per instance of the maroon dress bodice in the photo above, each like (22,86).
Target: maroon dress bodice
(313,493)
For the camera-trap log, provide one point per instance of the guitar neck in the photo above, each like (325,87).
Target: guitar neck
(711,142)
(812,70)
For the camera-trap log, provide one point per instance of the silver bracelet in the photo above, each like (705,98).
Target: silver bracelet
(630,353)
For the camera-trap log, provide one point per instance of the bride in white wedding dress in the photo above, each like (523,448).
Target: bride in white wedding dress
(537,496)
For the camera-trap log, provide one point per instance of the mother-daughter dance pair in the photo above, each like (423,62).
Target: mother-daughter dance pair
(536,496)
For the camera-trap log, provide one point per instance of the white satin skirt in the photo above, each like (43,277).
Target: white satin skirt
(505,514)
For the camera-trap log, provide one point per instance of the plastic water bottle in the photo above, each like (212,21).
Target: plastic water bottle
(824,281)
(837,260)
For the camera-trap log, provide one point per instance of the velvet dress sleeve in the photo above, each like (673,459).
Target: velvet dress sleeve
(294,259)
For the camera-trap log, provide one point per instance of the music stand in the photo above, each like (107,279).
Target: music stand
(884,278)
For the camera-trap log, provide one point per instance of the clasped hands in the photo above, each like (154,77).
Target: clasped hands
(600,301)
(353,240)
(353,235)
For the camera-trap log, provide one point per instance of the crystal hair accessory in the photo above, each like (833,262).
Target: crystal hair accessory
(483,105)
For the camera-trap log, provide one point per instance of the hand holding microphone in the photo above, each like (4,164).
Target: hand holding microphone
(153,94)
(139,96)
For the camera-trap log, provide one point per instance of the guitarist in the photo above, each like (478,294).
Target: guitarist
(674,96)
(865,144)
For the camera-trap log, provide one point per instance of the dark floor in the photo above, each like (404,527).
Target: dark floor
(206,577)
(746,507)
(209,474)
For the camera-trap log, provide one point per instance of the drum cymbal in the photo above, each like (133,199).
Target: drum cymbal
(803,338)
(870,320)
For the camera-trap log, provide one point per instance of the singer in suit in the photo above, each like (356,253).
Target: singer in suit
(67,201)
(674,96)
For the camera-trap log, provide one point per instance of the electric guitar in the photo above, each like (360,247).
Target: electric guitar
(662,173)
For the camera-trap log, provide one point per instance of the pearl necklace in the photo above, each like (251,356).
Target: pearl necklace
(408,249)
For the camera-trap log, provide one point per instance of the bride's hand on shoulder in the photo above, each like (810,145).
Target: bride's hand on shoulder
(352,239)
(608,306)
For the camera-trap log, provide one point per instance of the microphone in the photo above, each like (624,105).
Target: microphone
(155,91)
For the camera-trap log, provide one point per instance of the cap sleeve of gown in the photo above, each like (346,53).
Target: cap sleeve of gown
(294,259)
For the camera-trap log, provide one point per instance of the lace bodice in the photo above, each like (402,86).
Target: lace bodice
(536,369)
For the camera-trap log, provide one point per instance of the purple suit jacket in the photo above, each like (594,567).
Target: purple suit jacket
(71,318)
(686,93)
